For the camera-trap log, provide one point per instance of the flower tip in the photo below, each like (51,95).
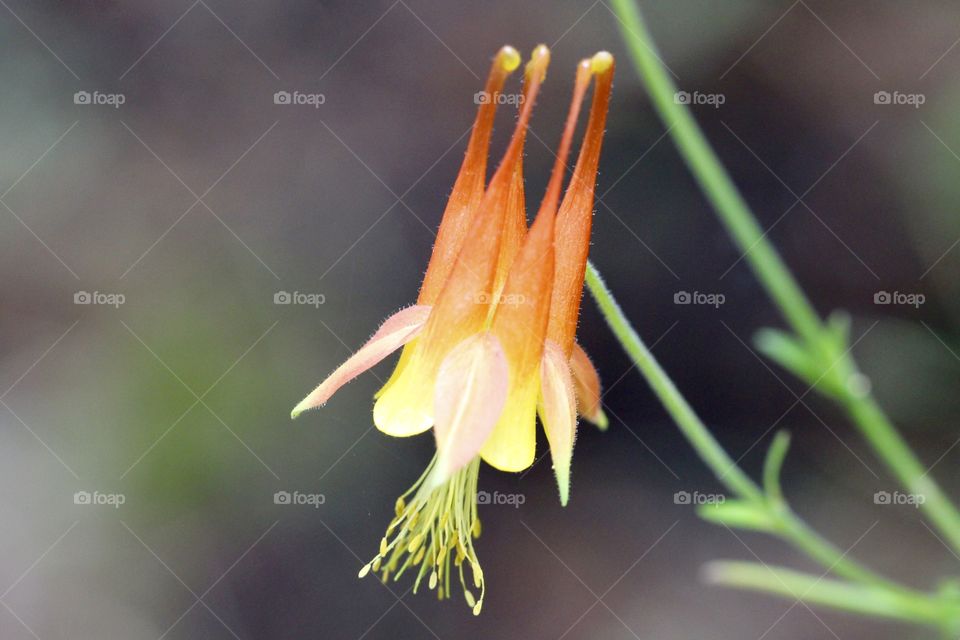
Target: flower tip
(601,62)
(600,420)
(300,408)
(509,58)
(562,473)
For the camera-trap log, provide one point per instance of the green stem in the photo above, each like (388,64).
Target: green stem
(788,525)
(863,599)
(769,268)
(893,449)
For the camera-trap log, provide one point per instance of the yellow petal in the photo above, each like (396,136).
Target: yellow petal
(405,406)
(512,445)
(405,355)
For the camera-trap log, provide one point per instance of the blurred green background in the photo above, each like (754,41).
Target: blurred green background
(198,199)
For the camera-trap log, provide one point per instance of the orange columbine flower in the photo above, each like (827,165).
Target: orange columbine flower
(480,352)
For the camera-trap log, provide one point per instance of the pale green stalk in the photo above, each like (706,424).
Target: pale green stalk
(855,598)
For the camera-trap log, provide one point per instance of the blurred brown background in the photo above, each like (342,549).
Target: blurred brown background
(198,199)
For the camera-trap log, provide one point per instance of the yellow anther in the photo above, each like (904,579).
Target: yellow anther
(447,522)
(539,61)
(509,58)
(601,61)
(415,543)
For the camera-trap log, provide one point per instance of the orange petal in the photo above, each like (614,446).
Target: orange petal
(586,382)
(558,412)
(469,187)
(396,331)
(514,227)
(461,305)
(515,222)
(576,214)
(552,195)
(470,393)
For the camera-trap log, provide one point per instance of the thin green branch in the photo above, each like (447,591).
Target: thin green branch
(816,337)
(855,598)
(776,454)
